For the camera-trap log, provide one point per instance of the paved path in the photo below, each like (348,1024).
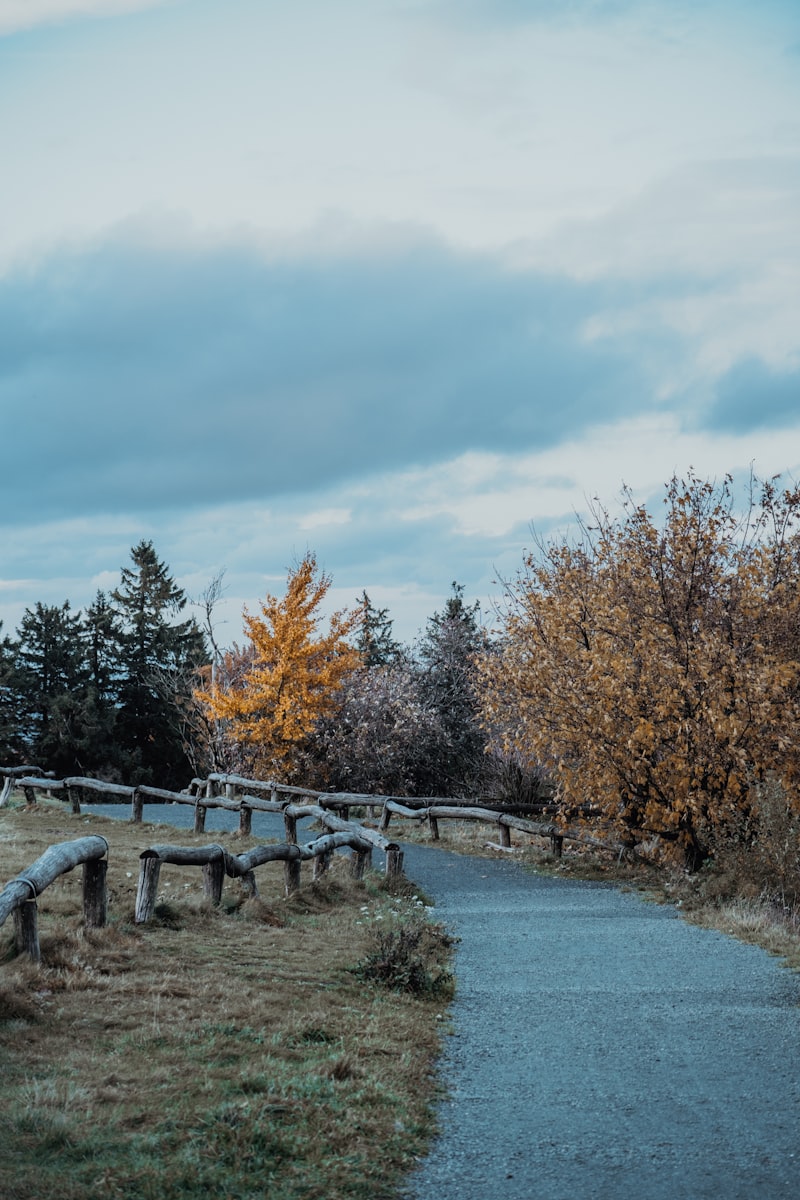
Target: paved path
(605,1049)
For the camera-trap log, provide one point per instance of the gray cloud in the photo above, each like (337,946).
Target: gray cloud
(751,396)
(139,378)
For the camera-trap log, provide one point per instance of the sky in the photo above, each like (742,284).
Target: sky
(395,281)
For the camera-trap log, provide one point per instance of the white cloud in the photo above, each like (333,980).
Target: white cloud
(326,516)
(16,15)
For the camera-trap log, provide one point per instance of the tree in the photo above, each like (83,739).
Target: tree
(48,681)
(158,658)
(101,637)
(10,731)
(374,639)
(383,738)
(294,676)
(653,669)
(447,657)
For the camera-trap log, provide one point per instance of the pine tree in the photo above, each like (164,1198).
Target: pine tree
(374,639)
(446,657)
(158,656)
(49,682)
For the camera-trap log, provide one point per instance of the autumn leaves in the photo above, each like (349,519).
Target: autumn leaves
(654,668)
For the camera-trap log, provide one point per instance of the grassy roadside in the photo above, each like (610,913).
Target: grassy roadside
(232,1052)
(736,899)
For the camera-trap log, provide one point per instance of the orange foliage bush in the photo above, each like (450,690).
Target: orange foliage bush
(654,669)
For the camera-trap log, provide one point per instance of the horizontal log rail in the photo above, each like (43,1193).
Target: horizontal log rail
(245,796)
(217,862)
(19,895)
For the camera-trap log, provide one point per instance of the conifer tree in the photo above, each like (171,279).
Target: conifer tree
(288,676)
(49,681)
(154,648)
(374,639)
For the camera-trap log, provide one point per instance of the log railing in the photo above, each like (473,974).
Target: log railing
(245,796)
(217,862)
(19,896)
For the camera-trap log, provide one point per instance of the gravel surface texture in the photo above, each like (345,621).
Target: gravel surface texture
(604,1048)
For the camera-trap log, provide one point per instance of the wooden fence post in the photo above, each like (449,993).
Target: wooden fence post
(26,930)
(321,864)
(505,835)
(386,817)
(557,844)
(213,878)
(394,861)
(74,797)
(291,874)
(199,818)
(434,827)
(30,795)
(245,819)
(290,823)
(359,861)
(147,889)
(137,806)
(95,893)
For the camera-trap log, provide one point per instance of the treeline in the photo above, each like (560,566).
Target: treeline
(132,690)
(342,705)
(102,692)
(647,669)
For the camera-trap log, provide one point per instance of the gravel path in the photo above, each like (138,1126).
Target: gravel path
(603,1048)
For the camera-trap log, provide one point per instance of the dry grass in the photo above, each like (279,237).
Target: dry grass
(228,1051)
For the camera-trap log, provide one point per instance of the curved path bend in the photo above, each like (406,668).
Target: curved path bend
(603,1049)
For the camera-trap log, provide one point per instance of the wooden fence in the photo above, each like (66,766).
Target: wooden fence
(19,896)
(245,796)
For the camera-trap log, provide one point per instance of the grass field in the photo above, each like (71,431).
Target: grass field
(242,1051)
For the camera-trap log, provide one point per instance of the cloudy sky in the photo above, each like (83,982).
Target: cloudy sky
(390,280)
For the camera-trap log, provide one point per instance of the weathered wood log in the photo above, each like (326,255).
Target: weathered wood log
(55,861)
(434,827)
(245,820)
(321,864)
(360,860)
(199,818)
(74,797)
(146,890)
(95,893)
(242,864)
(291,874)
(557,844)
(30,795)
(137,806)
(290,825)
(214,878)
(505,836)
(26,931)
(394,862)
(98,785)
(5,791)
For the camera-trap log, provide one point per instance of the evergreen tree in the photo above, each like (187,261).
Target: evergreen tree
(48,682)
(446,657)
(374,639)
(158,656)
(102,651)
(10,731)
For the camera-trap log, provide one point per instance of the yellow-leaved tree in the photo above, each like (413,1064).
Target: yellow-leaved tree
(653,668)
(270,693)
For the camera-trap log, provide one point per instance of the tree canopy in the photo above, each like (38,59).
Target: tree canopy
(290,675)
(652,667)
